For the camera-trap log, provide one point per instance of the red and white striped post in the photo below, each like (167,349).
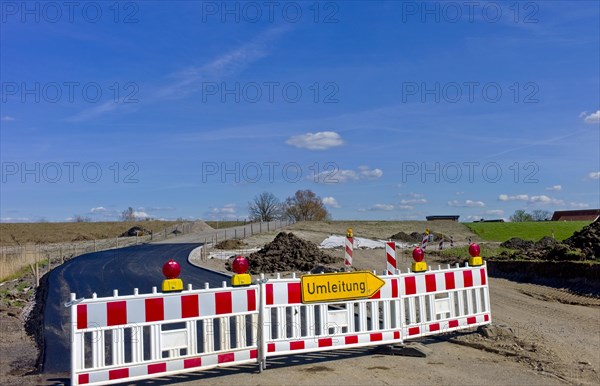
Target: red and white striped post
(390,254)
(424,242)
(349,246)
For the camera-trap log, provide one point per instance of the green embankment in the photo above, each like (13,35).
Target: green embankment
(502,231)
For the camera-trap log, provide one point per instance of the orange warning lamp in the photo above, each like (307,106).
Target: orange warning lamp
(171,270)
(349,232)
(475,260)
(240,267)
(418,265)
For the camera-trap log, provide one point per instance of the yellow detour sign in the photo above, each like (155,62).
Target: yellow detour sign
(327,287)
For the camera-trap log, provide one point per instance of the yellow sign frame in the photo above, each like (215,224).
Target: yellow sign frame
(342,286)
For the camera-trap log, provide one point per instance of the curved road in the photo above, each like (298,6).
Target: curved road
(102,272)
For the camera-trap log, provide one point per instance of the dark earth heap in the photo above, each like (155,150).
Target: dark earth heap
(230,244)
(583,245)
(136,229)
(416,237)
(288,252)
(408,238)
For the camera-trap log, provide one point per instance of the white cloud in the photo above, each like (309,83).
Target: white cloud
(7,118)
(345,175)
(331,201)
(594,175)
(322,140)
(555,188)
(99,209)
(412,195)
(494,212)
(382,207)
(226,209)
(541,199)
(518,197)
(341,175)
(15,219)
(226,212)
(466,204)
(414,201)
(405,207)
(578,205)
(370,173)
(591,118)
(140,214)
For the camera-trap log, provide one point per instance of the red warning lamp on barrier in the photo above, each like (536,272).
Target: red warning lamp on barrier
(240,267)
(171,270)
(475,259)
(418,265)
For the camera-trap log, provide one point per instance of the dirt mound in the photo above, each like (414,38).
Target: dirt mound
(403,236)
(230,244)
(136,230)
(200,226)
(517,243)
(288,252)
(587,240)
(81,237)
(546,242)
(584,244)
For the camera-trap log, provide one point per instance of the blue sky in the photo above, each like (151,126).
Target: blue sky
(391,110)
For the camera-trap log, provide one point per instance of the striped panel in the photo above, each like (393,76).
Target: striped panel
(165,307)
(166,367)
(441,326)
(390,254)
(332,342)
(439,281)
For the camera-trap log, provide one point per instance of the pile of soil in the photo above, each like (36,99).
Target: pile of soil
(230,244)
(414,237)
(140,231)
(583,245)
(517,243)
(288,252)
(587,240)
(546,242)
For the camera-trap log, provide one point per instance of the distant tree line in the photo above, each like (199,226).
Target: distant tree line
(304,205)
(535,215)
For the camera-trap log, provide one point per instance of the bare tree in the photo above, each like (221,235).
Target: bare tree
(304,205)
(128,214)
(541,215)
(265,207)
(80,218)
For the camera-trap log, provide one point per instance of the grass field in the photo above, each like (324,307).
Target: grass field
(41,233)
(502,231)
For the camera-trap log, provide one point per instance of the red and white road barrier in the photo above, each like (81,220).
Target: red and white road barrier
(129,338)
(390,255)
(349,247)
(135,337)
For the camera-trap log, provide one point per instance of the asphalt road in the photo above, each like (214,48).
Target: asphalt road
(102,272)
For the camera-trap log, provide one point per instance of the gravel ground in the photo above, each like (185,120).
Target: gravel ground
(550,336)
